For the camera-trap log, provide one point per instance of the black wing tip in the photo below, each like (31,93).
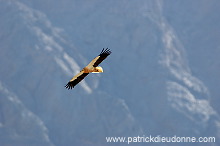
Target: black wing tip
(105,52)
(69,86)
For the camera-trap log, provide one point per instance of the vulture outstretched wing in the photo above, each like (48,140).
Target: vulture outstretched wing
(102,56)
(75,80)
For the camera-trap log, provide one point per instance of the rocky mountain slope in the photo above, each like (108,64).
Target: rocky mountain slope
(161,79)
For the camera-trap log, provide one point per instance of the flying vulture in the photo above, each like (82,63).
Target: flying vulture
(92,67)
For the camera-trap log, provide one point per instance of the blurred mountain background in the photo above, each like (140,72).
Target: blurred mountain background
(162,78)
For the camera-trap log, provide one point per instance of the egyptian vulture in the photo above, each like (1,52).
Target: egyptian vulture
(92,67)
